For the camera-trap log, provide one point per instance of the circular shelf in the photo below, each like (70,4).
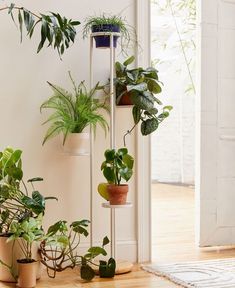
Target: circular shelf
(127,205)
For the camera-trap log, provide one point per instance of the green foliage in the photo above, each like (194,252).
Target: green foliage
(107,269)
(16,205)
(27,232)
(59,250)
(74,111)
(128,33)
(56,30)
(118,165)
(142,85)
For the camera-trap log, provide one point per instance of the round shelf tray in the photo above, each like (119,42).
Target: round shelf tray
(107,205)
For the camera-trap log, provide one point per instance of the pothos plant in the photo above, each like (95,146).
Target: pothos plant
(56,31)
(142,86)
(59,250)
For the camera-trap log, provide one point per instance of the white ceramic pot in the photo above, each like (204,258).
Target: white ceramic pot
(9,255)
(27,275)
(77,144)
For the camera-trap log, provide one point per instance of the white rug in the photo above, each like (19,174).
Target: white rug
(200,274)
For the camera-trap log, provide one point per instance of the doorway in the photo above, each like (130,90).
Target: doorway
(173,53)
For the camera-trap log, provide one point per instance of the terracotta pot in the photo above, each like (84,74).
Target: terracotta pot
(9,254)
(126,99)
(27,274)
(77,143)
(117,194)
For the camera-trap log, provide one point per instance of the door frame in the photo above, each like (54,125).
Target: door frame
(143,144)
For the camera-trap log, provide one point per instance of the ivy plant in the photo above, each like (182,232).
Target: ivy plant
(56,31)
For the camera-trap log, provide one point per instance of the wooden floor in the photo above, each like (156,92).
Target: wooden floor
(173,240)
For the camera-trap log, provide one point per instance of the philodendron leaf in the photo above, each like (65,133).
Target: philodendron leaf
(122,151)
(35,179)
(87,273)
(148,126)
(126,173)
(109,174)
(109,154)
(154,87)
(136,112)
(128,160)
(105,241)
(95,251)
(129,61)
(143,100)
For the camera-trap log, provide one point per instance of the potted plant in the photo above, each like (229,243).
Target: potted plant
(59,250)
(27,233)
(138,86)
(56,30)
(106,24)
(73,112)
(15,206)
(118,165)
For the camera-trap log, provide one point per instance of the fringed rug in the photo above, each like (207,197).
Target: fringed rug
(201,274)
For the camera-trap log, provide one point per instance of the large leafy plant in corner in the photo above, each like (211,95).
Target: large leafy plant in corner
(55,30)
(74,111)
(142,85)
(16,201)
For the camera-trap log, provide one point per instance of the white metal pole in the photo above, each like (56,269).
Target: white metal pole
(112,139)
(91,148)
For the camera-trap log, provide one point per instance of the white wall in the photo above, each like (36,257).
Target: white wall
(23,88)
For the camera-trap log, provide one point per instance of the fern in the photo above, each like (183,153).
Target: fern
(73,112)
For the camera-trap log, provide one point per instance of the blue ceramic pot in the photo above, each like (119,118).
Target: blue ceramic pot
(104,41)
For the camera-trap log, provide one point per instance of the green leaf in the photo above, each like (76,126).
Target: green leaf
(126,173)
(128,160)
(138,87)
(122,151)
(105,241)
(109,154)
(109,174)
(148,126)
(143,100)
(96,251)
(59,226)
(129,61)
(154,87)
(35,179)
(136,112)
(87,273)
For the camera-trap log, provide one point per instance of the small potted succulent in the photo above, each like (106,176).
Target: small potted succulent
(118,165)
(108,23)
(73,112)
(27,233)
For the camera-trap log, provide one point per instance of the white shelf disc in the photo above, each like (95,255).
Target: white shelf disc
(107,205)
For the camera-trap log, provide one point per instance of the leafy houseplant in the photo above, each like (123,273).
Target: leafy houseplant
(73,112)
(58,31)
(59,249)
(138,86)
(118,165)
(108,23)
(27,233)
(15,207)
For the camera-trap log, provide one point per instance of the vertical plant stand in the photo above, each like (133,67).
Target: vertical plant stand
(122,266)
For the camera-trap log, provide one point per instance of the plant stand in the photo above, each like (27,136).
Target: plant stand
(122,266)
